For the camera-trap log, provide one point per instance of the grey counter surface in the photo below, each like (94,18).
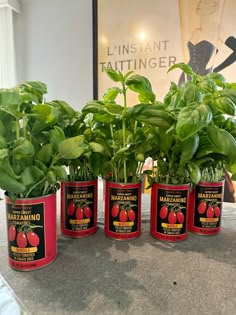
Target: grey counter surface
(98,275)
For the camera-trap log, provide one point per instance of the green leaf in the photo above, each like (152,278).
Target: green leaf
(65,108)
(60,172)
(10,184)
(31,175)
(184,67)
(205,148)
(224,105)
(192,119)
(120,154)
(141,85)
(3,154)
(152,115)
(230,93)
(188,149)
(143,147)
(99,148)
(23,148)
(8,168)
(41,166)
(218,78)
(223,142)
(191,93)
(116,76)
(111,94)
(51,177)
(194,172)
(36,88)
(45,153)
(10,97)
(47,113)
(94,107)
(56,135)
(104,117)
(164,141)
(72,148)
(119,134)
(114,109)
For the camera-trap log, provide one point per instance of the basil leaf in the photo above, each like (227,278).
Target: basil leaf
(31,175)
(188,149)
(184,67)
(141,85)
(192,119)
(223,142)
(113,75)
(111,94)
(72,148)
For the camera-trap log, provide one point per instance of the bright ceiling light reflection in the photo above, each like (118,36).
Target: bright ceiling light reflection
(142,35)
(103,40)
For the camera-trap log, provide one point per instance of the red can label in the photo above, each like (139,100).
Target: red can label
(169,212)
(29,244)
(79,208)
(208,208)
(122,210)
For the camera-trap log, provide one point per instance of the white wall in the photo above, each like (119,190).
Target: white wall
(54,45)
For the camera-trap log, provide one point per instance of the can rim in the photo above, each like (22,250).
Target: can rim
(122,183)
(32,198)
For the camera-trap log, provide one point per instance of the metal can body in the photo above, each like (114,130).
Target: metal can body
(32,239)
(122,210)
(169,215)
(206,208)
(79,208)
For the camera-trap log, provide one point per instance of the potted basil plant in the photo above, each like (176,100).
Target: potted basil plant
(79,192)
(126,148)
(216,152)
(193,142)
(31,168)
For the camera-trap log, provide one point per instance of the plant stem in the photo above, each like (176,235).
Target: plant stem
(35,185)
(124,145)
(124,129)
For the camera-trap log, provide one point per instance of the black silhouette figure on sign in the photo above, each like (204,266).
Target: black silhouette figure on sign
(231,43)
(200,54)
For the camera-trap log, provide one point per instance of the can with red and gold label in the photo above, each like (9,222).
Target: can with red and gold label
(79,208)
(169,204)
(122,210)
(31,226)
(206,211)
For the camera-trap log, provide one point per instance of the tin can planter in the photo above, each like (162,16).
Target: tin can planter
(206,209)
(31,225)
(79,208)
(169,204)
(122,210)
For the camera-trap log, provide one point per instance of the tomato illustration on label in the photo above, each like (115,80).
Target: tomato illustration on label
(163,212)
(71,209)
(210,212)
(180,217)
(115,210)
(123,215)
(87,212)
(33,239)
(202,207)
(12,233)
(217,211)
(131,215)
(172,217)
(79,213)
(21,240)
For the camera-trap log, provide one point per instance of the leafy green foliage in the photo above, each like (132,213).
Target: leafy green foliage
(30,135)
